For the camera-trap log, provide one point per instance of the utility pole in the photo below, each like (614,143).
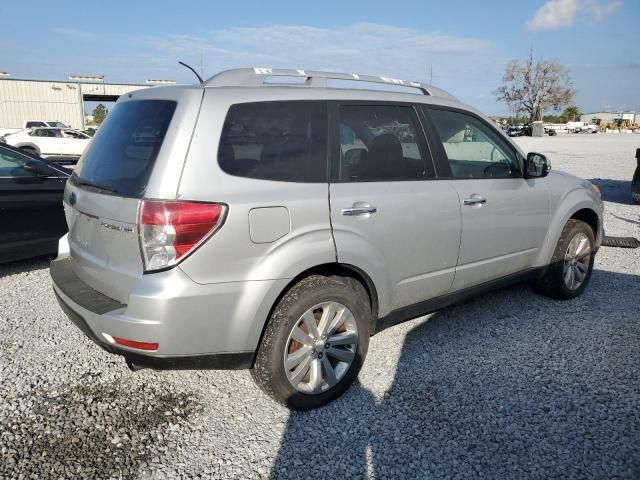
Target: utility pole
(201,64)
(431,74)
(81,103)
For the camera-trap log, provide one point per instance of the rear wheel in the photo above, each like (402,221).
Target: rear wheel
(30,150)
(572,263)
(315,342)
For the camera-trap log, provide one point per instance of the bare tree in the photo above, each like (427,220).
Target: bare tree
(533,87)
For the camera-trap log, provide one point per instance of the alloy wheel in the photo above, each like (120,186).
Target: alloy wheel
(321,347)
(577,259)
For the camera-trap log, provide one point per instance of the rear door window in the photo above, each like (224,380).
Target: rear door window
(282,141)
(48,132)
(382,143)
(123,152)
(75,135)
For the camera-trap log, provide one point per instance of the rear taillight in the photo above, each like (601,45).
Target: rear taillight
(171,230)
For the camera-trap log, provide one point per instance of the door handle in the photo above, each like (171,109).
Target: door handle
(475,200)
(350,212)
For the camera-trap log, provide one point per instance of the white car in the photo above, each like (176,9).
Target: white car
(582,127)
(53,143)
(32,124)
(41,123)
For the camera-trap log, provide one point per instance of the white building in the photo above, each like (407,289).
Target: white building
(610,116)
(22,100)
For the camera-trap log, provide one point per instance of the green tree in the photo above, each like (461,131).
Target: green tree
(552,119)
(570,114)
(100,113)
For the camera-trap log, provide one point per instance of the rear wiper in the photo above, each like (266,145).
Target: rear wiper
(97,186)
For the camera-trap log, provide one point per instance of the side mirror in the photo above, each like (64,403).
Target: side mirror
(39,168)
(536,166)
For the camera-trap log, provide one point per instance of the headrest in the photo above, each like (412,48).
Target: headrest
(386,144)
(385,152)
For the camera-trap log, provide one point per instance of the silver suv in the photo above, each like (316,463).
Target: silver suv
(276,219)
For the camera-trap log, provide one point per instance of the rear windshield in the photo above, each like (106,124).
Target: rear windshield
(121,157)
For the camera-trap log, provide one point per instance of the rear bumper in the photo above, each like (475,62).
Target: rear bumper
(214,326)
(223,361)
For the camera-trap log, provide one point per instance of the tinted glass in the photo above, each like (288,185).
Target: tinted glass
(285,141)
(46,132)
(35,124)
(381,143)
(12,165)
(473,148)
(124,150)
(74,134)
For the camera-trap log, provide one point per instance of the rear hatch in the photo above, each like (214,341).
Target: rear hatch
(138,152)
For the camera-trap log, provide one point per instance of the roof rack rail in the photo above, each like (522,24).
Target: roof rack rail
(255,77)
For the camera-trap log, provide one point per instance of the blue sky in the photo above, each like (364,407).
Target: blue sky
(468,43)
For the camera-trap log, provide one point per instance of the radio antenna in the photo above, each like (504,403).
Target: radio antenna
(194,72)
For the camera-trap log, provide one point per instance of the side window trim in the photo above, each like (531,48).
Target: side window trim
(440,161)
(504,142)
(333,141)
(334,137)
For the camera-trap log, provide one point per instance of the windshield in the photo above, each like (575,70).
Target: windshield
(57,124)
(123,151)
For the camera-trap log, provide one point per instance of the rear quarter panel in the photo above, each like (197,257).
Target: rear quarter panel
(231,255)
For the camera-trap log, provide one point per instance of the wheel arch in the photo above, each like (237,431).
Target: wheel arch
(340,270)
(582,208)
(590,217)
(330,270)
(31,146)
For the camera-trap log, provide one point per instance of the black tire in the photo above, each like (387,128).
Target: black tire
(635,186)
(269,370)
(552,284)
(30,150)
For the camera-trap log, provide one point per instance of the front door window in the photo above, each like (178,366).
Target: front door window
(473,149)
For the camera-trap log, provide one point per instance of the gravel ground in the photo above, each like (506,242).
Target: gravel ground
(511,385)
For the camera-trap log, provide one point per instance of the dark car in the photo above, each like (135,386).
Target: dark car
(31,211)
(515,131)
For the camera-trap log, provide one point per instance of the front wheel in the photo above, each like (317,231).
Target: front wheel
(315,342)
(572,263)
(635,186)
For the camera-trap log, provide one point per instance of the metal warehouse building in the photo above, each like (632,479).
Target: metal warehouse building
(610,116)
(63,101)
